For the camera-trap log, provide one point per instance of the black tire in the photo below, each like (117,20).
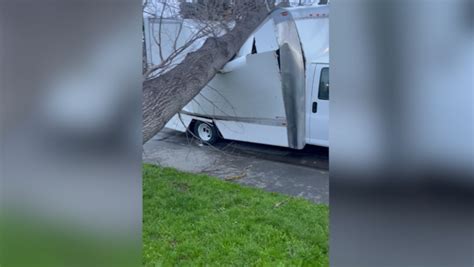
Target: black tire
(206,132)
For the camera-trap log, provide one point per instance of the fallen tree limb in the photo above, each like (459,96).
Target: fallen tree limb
(167,94)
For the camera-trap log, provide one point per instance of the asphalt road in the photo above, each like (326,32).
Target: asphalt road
(302,173)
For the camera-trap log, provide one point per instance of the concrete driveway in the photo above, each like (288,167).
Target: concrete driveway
(302,173)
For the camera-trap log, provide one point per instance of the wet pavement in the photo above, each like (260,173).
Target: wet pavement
(301,173)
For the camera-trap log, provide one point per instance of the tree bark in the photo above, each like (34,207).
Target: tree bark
(167,94)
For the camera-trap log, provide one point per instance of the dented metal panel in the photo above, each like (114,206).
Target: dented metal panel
(292,68)
(265,39)
(249,91)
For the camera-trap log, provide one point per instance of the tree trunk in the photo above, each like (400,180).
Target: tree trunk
(167,94)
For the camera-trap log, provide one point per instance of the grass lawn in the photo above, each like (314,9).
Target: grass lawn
(191,219)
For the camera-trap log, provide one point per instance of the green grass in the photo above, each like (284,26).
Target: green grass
(191,220)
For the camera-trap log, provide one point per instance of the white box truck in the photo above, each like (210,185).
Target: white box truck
(276,89)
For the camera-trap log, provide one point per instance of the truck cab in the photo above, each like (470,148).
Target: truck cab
(318,105)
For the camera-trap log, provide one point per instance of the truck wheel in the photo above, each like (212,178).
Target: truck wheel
(206,132)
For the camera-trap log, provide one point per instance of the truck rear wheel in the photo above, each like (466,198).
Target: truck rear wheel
(206,132)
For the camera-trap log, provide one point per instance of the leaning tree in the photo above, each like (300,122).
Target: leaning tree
(164,95)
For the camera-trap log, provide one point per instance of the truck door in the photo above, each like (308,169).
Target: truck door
(319,107)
